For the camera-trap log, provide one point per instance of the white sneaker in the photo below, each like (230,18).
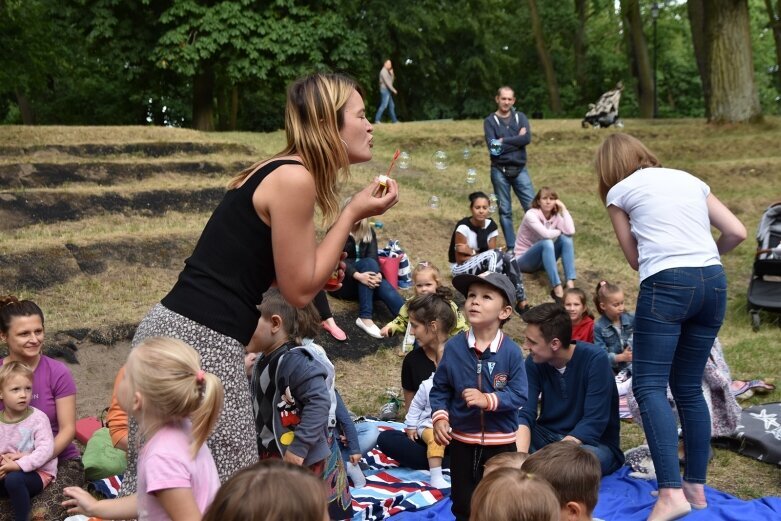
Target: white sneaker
(371,330)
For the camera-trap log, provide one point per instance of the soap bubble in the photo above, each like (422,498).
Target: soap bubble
(471,176)
(403,161)
(495,147)
(440,160)
(492,206)
(433,202)
(466,153)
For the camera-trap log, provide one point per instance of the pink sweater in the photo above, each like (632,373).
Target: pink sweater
(33,437)
(535,228)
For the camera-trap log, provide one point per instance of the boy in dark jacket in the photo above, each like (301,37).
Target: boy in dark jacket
(479,386)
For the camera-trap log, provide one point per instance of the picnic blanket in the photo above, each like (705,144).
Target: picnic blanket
(405,495)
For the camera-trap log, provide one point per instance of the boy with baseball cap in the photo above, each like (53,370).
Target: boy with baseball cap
(479,386)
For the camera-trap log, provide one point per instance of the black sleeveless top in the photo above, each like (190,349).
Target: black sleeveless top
(232,265)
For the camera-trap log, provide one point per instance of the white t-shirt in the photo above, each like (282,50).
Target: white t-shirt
(471,237)
(668,215)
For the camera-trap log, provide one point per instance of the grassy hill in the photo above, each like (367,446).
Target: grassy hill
(95,224)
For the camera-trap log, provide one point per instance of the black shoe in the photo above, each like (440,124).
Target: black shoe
(557,300)
(522,309)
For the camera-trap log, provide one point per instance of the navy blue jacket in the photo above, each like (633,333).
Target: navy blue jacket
(499,374)
(513,145)
(582,402)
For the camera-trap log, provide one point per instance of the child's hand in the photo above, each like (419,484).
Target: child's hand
(292,458)
(475,398)
(8,465)
(442,433)
(249,361)
(412,434)
(625,356)
(355,459)
(80,502)
(385,331)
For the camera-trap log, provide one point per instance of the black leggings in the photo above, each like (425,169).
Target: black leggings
(322,305)
(19,487)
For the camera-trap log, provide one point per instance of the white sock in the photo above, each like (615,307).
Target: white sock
(437,479)
(356,474)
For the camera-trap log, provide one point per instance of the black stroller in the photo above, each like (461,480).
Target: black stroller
(605,112)
(764,290)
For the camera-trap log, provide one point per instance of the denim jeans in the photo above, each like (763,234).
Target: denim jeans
(352,290)
(543,255)
(522,186)
(608,461)
(367,439)
(386,101)
(679,313)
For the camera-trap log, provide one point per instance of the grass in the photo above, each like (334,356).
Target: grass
(742,164)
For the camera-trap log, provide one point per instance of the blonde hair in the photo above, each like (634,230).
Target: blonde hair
(509,494)
(618,157)
(262,493)
(9,369)
(423,266)
(505,460)
(604,288)
(314,113)
(168,375)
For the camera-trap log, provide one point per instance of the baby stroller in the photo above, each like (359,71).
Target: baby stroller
(764,290)
(605,112)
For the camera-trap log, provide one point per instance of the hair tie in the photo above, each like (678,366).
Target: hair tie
(200,376)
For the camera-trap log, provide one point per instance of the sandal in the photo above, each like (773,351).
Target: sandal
(761,387)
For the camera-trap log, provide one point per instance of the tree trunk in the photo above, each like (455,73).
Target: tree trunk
(638,53)
(545,59)
(234,114)
(775,25)
(697,23)
(581,48)
(203,99)
(25,109)
(733,91)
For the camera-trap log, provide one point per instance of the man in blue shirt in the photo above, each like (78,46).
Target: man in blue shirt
(576,389)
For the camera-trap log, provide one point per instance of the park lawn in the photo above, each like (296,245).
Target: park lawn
(742,164)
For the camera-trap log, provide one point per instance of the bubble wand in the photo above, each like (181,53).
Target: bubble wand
(383,179)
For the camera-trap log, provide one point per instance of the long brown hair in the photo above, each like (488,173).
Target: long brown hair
(618,157)
(314,113)
(546,192)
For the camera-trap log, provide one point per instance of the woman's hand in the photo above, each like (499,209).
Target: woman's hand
(560,204)
(369,279)
(364,204)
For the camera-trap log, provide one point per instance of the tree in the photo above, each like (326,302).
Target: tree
(545,59)
(774,14)
(723,36)
(638,55)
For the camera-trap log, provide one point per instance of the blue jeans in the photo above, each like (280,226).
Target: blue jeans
(367,439)
(543,255)
(679,313)
(352,290)
(608,461)
(386,101)
(524,190)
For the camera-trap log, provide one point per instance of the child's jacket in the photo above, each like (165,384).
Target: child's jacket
(291,403)
(498,372)
(606,337)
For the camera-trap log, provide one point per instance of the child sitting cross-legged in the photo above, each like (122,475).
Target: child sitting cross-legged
(176,405)
(26,441)
(426,279)
(431,318)
(295,409)
(574,473)
(479,386)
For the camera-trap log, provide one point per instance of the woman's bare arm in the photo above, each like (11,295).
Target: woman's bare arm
(732,230)
(626,240)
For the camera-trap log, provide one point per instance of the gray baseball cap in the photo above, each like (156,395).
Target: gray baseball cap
(498,280)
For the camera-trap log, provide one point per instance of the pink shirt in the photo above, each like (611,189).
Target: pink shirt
(52,380)
(164,462)
(33,437)
(535,227)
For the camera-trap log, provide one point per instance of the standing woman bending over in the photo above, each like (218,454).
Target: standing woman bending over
(662,219)
(264,231)
(544,236)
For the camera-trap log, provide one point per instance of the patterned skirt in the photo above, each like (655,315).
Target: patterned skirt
(233,443)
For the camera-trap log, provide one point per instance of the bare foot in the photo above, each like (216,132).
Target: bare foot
(695,494)
(671,505)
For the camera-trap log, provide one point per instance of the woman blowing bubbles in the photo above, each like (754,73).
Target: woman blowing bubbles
(264,231)
(662,219)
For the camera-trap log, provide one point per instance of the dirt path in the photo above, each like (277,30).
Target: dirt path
(94,375)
